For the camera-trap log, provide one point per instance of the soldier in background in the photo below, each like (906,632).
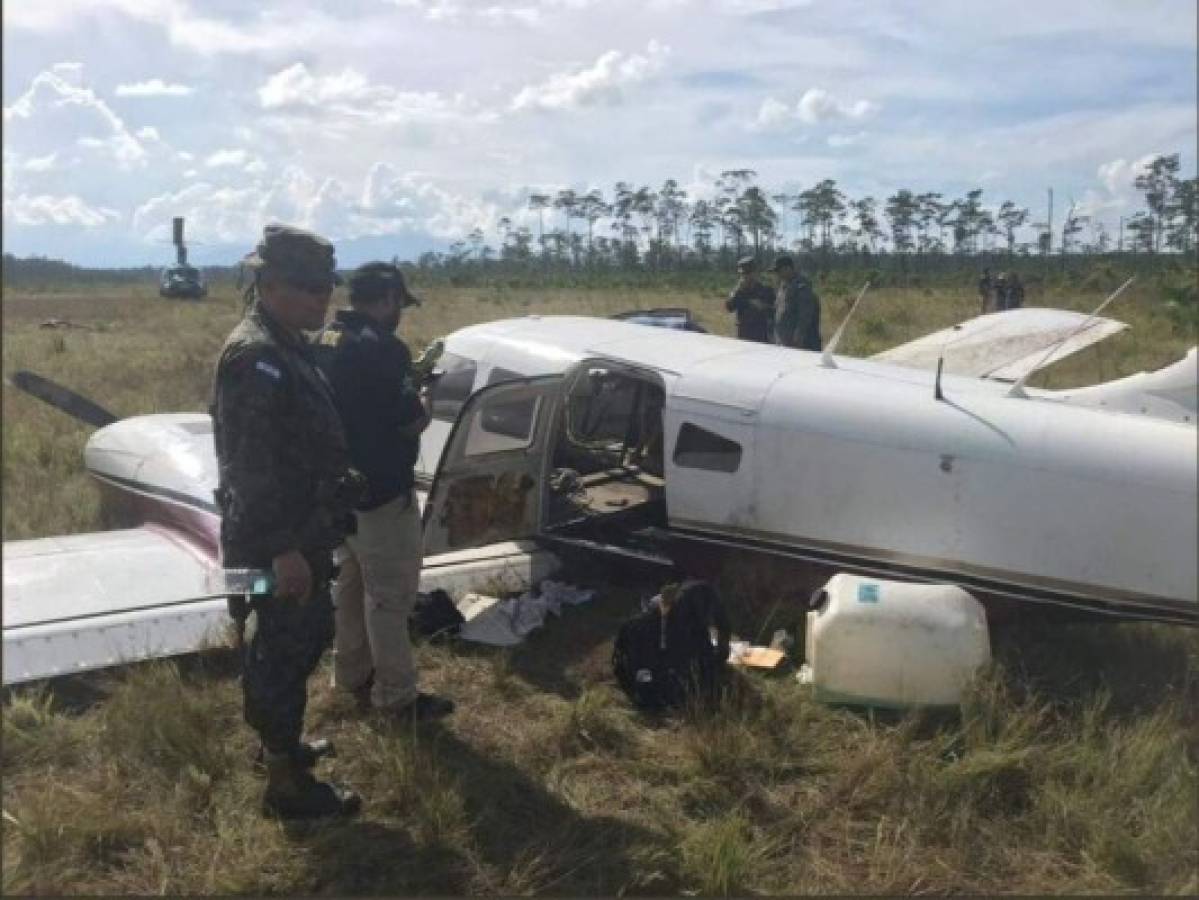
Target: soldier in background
(285,493)
(1015,292)
(753,303)
(985,288)
(799,316)
(1001,292)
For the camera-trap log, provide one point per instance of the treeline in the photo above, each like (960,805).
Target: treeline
(639,228)
(33,272)
(640,236)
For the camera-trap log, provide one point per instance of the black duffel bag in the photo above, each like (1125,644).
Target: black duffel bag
(665,657)
(434,615)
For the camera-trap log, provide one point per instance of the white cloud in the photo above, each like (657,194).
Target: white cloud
(58,109)
(752,7)
(602,82)
(501,15)
(394,202)
(155,87)
(227,157)
(351,94)
(527,14)
(773,113)
(62,13)
(390,202)
(1119,174)
(48,209)
(183,26)
(815,106)
(818,105)
(149,134)
(70,72)
(41,163)
(296,86)
(1118,194)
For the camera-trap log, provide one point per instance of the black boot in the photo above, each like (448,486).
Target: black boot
(306,755)
(292,793)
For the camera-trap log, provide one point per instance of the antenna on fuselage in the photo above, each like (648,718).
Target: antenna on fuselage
(1018,388)
(826,358)
(937,395)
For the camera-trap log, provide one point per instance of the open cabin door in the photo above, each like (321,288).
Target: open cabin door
(606,485)
(488,486)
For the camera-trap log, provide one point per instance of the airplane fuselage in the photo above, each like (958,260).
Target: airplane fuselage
(763,449)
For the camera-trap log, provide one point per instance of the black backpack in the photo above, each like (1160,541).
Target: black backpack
(435,615)
(664,664)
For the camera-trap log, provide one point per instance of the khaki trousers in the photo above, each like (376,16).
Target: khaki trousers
(373,597)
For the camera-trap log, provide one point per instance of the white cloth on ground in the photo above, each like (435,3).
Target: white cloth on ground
(507,622)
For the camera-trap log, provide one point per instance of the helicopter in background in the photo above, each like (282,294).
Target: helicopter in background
(182,280)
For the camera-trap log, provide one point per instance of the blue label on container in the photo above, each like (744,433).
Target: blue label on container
(262,585)
(868,593)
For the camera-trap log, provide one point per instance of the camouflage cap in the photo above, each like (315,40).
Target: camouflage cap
(746,264)
(782,262)
(296,255)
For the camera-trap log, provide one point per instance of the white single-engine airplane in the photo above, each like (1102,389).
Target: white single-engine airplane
(574,434)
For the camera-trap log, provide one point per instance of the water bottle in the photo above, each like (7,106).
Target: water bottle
(234,582)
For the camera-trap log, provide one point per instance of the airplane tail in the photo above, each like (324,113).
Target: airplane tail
(1171,392)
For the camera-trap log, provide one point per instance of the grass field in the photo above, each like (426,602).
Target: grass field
(1073,767)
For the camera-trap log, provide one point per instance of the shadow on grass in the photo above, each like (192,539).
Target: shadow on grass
(1137,665)
(76,694)
(536,840)
(365,857)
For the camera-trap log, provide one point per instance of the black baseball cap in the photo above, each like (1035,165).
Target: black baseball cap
(376,280)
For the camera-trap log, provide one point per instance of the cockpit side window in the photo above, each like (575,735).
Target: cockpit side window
(453,388)
(698,448)
(499,373)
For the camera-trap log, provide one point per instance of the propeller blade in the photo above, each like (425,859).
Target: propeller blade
(62,398)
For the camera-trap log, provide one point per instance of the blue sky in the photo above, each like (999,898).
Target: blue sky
(396,126)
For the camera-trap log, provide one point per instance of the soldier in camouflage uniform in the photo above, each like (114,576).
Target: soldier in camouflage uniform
(285,493)
(799,319)
(753,303)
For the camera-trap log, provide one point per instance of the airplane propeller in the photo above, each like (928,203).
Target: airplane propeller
(63,399)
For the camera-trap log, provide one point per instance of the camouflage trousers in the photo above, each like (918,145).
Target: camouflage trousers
(289,639)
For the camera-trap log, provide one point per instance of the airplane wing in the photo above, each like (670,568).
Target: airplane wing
(90,601)
(87,601)
(1004,345)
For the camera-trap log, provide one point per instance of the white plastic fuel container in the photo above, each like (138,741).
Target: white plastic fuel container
(885,643)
